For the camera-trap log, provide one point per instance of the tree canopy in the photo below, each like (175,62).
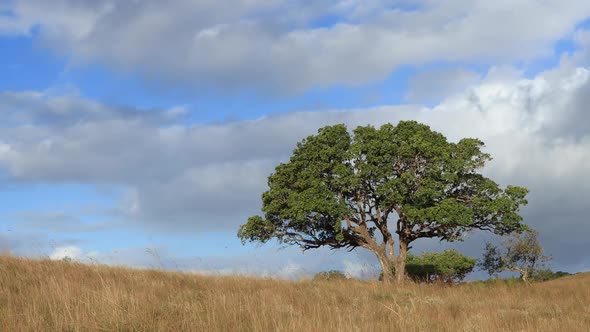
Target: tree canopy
(350,190)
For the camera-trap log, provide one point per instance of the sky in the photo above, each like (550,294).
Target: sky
(141,133)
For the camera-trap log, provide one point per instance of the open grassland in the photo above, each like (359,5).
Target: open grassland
(43,295)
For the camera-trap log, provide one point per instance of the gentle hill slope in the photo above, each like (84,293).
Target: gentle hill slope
(45,295)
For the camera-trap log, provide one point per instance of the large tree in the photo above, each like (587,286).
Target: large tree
(344,190)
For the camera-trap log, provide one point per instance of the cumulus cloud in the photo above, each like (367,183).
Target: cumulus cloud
(285,263)
(58,220)
(433,85)
(74,253)
(68,252)
(280,46)
(292,271)
(13,242)
(180,177)
(359,269)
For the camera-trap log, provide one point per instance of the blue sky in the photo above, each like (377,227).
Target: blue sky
(132,130)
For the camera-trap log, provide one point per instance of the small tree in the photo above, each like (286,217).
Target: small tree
(344,190)
(520,253)
(450,266)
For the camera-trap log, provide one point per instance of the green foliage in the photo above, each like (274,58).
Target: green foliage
(340,189)
(449,266)
(520,253)
(547,274)
(330,275)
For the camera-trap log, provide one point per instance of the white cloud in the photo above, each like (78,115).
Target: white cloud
(359,270)
(279,46)
(292,271)
(433,85)
(209,177)
(60,221)
(76,253)
(67,252)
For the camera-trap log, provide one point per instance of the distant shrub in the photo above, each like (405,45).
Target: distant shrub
(547,274)
(450,266)
(537,276)
(330,275)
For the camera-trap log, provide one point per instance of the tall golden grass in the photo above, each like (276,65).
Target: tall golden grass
(43,295)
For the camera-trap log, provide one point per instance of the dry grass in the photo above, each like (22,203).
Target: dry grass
(41,295)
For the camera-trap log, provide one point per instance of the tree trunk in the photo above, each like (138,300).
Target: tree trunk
(400,265)
(524,274)
(387,275)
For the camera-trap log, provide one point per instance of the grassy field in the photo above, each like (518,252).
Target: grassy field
(43,295)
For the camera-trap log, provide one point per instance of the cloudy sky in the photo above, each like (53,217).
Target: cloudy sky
(137,133)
